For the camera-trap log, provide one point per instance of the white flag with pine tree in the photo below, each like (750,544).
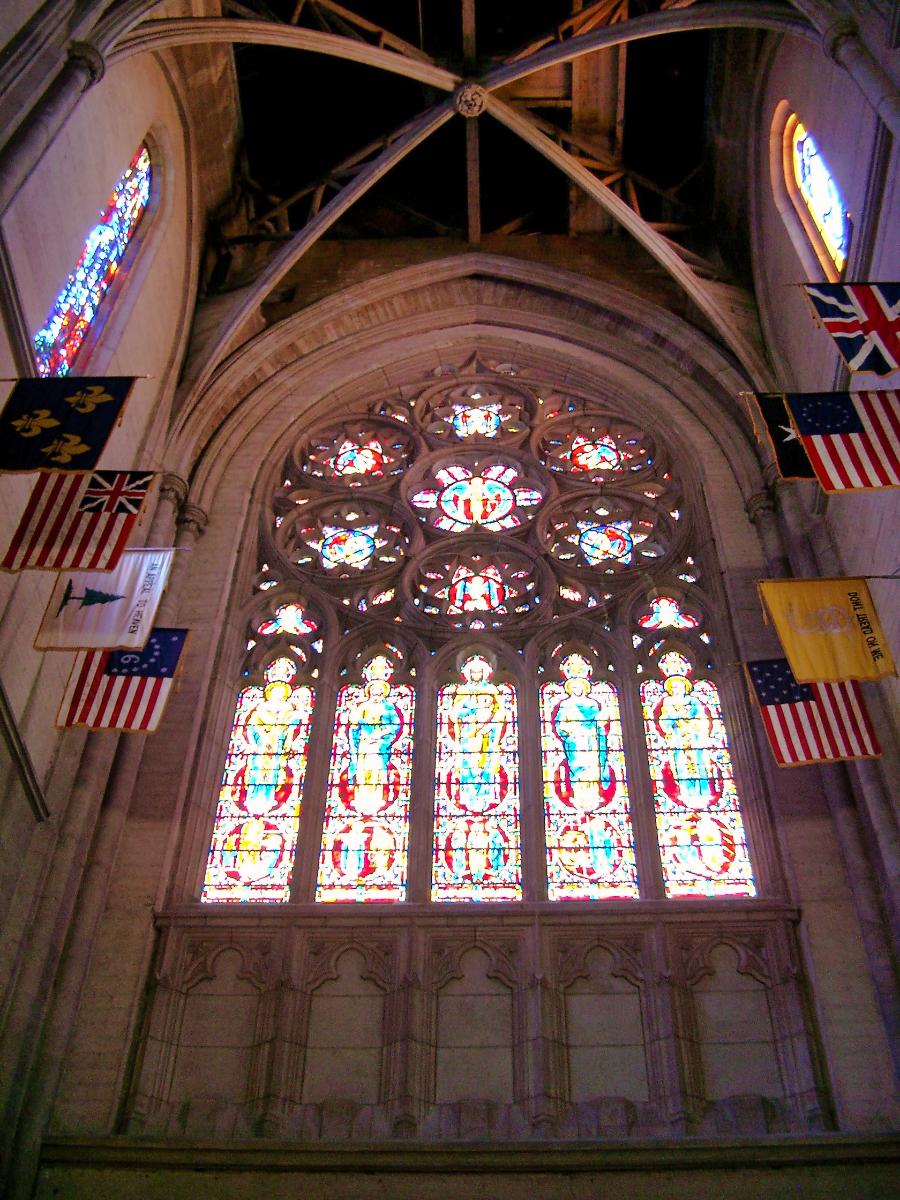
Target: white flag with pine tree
(106,610)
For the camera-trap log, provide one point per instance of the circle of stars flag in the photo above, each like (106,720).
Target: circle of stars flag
(852,439)
(123,689)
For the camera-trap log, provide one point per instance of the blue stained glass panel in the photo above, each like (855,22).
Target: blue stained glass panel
(68,323)
(590,845)
(476,822)
(821,195)
(364,842)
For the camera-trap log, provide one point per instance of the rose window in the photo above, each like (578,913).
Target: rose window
(481,587)
(471,411)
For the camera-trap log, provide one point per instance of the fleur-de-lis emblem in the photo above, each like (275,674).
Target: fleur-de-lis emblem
(33,423)
(86,399)
(64,449)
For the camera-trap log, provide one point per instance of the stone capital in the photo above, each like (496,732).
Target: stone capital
(173,489)
(759,507)
(843,30)
(86,55)
(192,520)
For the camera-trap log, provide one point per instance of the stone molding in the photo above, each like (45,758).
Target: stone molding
(537,960)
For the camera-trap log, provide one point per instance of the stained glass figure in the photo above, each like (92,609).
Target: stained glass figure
(355,458)
(608,533)
(701,833)
(821,195)
(364,842)
(346,547)
(255,833)
(471,496)
(342,541)
(590,845)
(74,310)
(474,410)
(357,453)
(665,613)
(290,619)
(478,588)
(600,543)
(593,449)
(476,819)
(470,420)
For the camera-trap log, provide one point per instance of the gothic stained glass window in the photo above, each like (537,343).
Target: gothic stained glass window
(820,194)
(476,815)
(255,834)
(58,341)
(701,833)
(480,508)
(590,846)
(364,843)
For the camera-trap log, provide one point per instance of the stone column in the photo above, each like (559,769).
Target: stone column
(80,933)
(83,68)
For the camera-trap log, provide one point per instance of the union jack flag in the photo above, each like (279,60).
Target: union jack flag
(75,522)
(864,320)
(811,722)
(123,689)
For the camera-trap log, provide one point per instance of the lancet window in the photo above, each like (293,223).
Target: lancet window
(75,309)
(808,196)
(496,592)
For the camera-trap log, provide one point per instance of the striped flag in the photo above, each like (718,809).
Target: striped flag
(852,439)
(123,689)
(811,722)
(77,522)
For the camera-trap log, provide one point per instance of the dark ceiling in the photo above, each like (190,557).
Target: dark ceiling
(304,113)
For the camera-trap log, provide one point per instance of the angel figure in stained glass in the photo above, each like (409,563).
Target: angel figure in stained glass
(477,728)
(582,726)
(690,770)
(363,845)
(256,823)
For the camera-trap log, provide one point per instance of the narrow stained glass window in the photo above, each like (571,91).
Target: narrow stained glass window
(476,819)
(698,819)
(590,847)
(57,343)
(821,195)
(364,843)
(255,833)
(591,852)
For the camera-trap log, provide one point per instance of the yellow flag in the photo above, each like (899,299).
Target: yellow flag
(828,627)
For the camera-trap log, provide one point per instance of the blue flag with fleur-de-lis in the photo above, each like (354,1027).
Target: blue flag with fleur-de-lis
(60,424)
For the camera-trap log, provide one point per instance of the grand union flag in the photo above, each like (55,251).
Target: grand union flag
(77,522)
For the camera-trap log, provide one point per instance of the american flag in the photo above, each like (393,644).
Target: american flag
(852,438)
(123,689)
(864,320)
(811,722)
(77,522)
